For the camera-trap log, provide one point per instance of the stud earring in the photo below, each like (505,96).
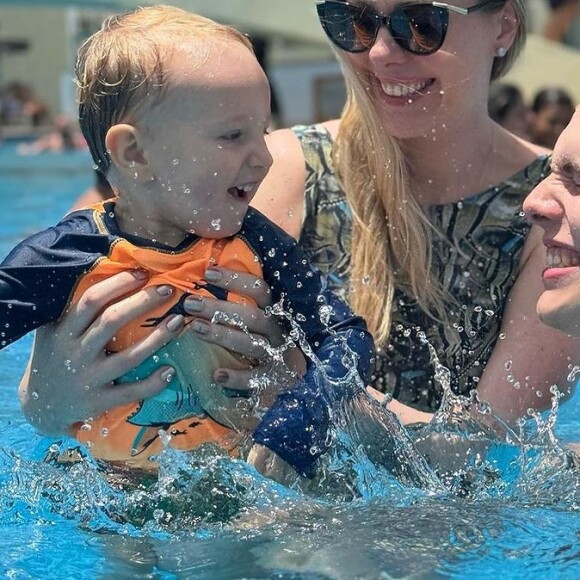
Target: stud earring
(501,52)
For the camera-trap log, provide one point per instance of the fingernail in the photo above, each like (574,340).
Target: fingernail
(140,274)
(164,290)
(213,275)
(168,374)
(175,322)
(194,303)
(200,327)
(221,377)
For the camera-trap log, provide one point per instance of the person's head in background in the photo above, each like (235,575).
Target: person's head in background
(174,108)
(417,79)
(554,205)
(508,108)
(552,109)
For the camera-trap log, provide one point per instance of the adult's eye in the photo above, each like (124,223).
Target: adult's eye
(232,136)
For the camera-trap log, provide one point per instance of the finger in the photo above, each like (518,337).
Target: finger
(247,317)
(235,379)
(94,300)
(252,346)
(257,456)
(115,395)
(117,315)
(117,364)
(241,283)
(262,388)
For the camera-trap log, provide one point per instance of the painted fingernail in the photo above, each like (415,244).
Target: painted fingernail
(164,290)
(168,374)
(140,274)
(175,322)
(200,327)
(213,275)
(194,303)
(221,377)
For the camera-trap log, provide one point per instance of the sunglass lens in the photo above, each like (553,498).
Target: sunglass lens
(347,26)
(419,28)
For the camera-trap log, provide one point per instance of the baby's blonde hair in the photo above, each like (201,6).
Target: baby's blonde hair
(391,236)
(122,67)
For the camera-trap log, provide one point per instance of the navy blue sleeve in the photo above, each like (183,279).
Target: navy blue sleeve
(39,275)
(297,426)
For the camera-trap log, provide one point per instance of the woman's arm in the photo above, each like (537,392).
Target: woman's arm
(532,357)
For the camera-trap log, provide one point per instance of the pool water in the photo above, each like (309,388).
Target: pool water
(513,515)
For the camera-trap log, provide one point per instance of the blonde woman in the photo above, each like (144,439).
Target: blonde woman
(411,204)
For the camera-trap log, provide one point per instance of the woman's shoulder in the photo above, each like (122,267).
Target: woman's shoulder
(519,164)
(325,131)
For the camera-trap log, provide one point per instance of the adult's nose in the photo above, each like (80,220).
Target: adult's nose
(385,50)
(542,206)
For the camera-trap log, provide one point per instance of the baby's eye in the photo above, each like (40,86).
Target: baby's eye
(231,135)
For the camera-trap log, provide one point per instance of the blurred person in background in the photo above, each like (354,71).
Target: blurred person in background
(65,135)
(563,24)
(552,109)
(20,106)
(507,107)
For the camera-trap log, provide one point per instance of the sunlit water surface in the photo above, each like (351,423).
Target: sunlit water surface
(503,509)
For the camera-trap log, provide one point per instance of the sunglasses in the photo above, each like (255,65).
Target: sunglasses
(417,28)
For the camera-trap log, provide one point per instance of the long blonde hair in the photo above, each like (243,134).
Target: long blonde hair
(391,235)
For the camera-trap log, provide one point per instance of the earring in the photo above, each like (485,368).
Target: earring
(501,52)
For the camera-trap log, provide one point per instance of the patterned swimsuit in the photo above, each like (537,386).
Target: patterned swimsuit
(478,260)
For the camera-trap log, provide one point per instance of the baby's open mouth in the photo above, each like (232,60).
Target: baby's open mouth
(240,192)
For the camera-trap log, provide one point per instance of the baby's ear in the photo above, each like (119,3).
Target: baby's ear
(123,143)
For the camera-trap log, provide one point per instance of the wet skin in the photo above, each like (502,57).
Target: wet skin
(554,205)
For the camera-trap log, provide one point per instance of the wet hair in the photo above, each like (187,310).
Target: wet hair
(503,97)
(121,69)
(551,96)
(391,236)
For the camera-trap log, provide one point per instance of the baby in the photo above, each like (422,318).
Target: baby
(174,108)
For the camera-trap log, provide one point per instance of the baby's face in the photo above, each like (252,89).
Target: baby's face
(205,143)
(554,205)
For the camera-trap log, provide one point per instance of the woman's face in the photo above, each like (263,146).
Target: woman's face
(419,95)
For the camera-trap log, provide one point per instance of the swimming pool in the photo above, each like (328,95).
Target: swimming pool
(213,517)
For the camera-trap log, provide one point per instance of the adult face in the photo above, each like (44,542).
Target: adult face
(418,95)
(554,205)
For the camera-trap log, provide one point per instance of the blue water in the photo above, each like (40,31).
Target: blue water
(213,517)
